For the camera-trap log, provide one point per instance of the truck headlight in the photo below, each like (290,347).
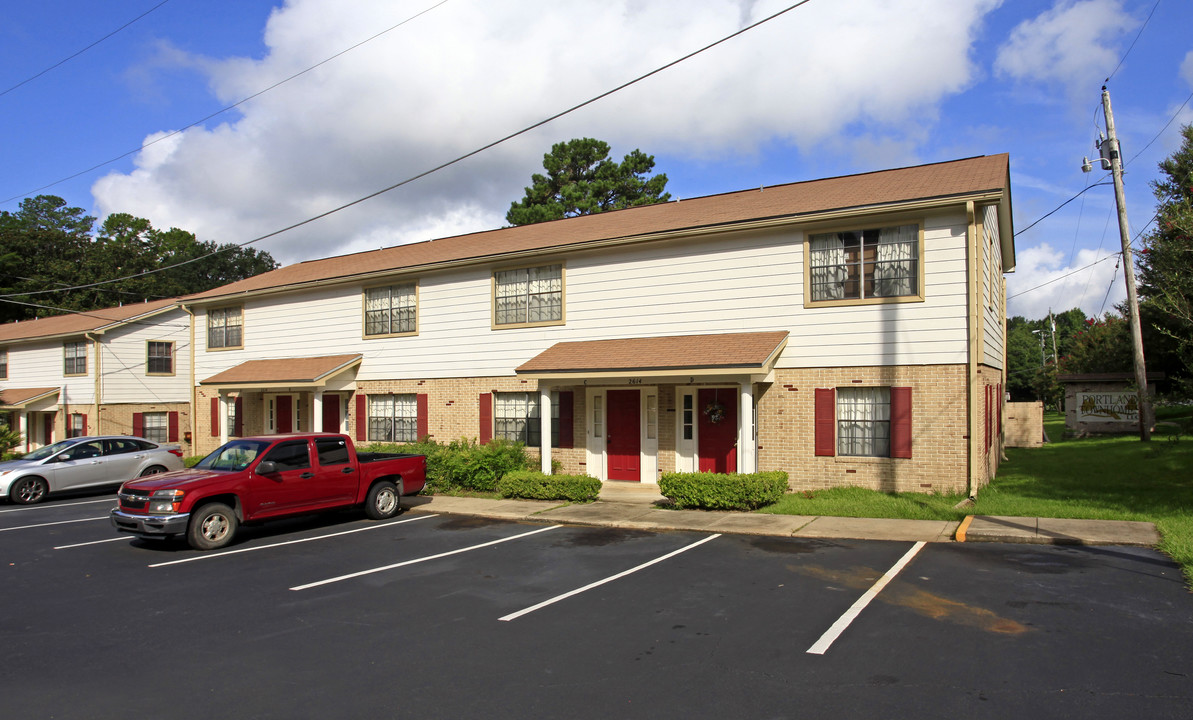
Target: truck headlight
(165,501)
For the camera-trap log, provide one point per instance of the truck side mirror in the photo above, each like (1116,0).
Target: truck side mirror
(266,467)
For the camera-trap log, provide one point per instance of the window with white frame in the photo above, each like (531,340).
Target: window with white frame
(864,264)
(156,426)
(225,328)
(159,358)
(391,310)
(689,416)
(76,425)
(393,418)
(74,358)
(528,296)
(864,421)
(516,417)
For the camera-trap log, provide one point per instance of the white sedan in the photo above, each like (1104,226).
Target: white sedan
(84,462)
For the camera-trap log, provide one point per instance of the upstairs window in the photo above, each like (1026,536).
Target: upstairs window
(391,310)
(864,264)
(3,364)
(528,296)
(160,358)
(74,358)
(224,328)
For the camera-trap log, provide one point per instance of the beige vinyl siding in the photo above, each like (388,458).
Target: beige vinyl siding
(37,365)
(124,377)
(991,289)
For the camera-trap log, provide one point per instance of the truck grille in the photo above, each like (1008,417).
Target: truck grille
(132,501)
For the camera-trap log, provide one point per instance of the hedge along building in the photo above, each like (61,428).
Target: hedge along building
(847,331)
(116,371)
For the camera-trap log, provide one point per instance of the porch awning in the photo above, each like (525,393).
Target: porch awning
(282,372)
(750,353)
(21,398)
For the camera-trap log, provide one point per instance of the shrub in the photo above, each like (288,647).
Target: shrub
(716,491)
(192,460)
(464,463)
(9,439)
(537,486)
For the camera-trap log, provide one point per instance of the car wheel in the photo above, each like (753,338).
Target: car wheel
(212,526)
(29,490)
(152,470)
(383,501)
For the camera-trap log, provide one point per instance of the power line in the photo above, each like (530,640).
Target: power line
(221,111)
(67,59)
(1132,47)
(445,165)
(1058,207)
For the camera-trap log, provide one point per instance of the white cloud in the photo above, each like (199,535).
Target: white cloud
(1042,281)
(1187,68)
(1071,45)
(466,74)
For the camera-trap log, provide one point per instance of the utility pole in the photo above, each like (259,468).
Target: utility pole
(1110,151)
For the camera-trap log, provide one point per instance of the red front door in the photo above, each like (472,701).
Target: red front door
(717,428)
(331,413)
(285,414)
(624,436)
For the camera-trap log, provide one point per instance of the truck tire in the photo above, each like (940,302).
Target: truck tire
(212,526)
(383,501)
(29,490)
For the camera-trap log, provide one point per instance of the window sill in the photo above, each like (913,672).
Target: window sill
(863,301)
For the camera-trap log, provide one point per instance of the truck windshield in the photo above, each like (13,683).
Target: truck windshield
(236,455)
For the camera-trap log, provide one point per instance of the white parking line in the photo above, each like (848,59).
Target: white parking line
(422,559)
(830,636)
(60,522)
(110,500)
(94,542)
(208,556)
(618,576)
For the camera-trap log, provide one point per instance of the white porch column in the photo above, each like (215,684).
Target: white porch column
(223,418)
(545,428)
(23,427)
(747,448)
(317,413)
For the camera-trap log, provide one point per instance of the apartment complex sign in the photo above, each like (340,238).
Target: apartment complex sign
(1108,407)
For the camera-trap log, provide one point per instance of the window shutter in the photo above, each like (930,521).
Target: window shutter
(999,405)
(238,429)
(420,422)
(826,421)
(172,419)
(901,422)
(215,417)
(362,419)
(486,417)
(567,436)
(987,418)
(139,424)
(84,424)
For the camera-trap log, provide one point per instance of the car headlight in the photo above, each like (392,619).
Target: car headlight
(165,501)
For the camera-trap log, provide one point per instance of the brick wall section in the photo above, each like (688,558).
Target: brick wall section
(938,464)
(118,420)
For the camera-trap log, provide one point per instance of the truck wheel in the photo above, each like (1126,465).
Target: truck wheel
(28,490)
(212,526)
(383,501)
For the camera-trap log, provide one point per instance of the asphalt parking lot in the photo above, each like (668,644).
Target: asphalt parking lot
(438,616)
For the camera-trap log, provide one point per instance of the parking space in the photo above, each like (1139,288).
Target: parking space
(448,616)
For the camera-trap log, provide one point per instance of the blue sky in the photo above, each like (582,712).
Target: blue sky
(830,88)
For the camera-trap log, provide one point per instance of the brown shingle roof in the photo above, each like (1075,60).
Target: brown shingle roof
(18,397)
(957,178)
(282,370)
(79,323)
(745,351)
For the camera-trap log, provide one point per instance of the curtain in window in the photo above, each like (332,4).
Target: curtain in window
(393,418)
(545,301)
(511,296)
(864,421)
(517,417)
(827,262)
(895,261)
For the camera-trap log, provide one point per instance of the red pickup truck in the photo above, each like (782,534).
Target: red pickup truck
(261,478)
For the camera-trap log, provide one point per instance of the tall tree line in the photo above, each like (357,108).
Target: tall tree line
(48,245)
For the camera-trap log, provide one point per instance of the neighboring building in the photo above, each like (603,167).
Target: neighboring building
(123,370)
(849,331)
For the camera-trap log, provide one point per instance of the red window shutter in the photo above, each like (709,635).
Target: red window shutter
(420,423)
(139,424)
(486,416)
(238,428)
(901,422)
(999,405)
(362,420)
(567,436)
(84,424)
(215,417)
(172,420)
(987,418)
(826,421)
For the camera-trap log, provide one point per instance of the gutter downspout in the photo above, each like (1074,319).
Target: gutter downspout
(99,388)
(975,339)
(194,419)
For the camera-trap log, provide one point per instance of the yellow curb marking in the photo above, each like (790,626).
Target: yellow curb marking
(963,527)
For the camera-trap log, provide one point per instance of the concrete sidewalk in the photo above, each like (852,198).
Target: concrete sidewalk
(641,507)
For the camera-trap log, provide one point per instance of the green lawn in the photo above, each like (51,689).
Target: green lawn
(1109,478)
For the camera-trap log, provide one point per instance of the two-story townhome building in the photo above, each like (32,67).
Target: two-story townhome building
(117,371)
(848,331)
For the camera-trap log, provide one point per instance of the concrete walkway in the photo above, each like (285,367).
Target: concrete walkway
(641,507)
